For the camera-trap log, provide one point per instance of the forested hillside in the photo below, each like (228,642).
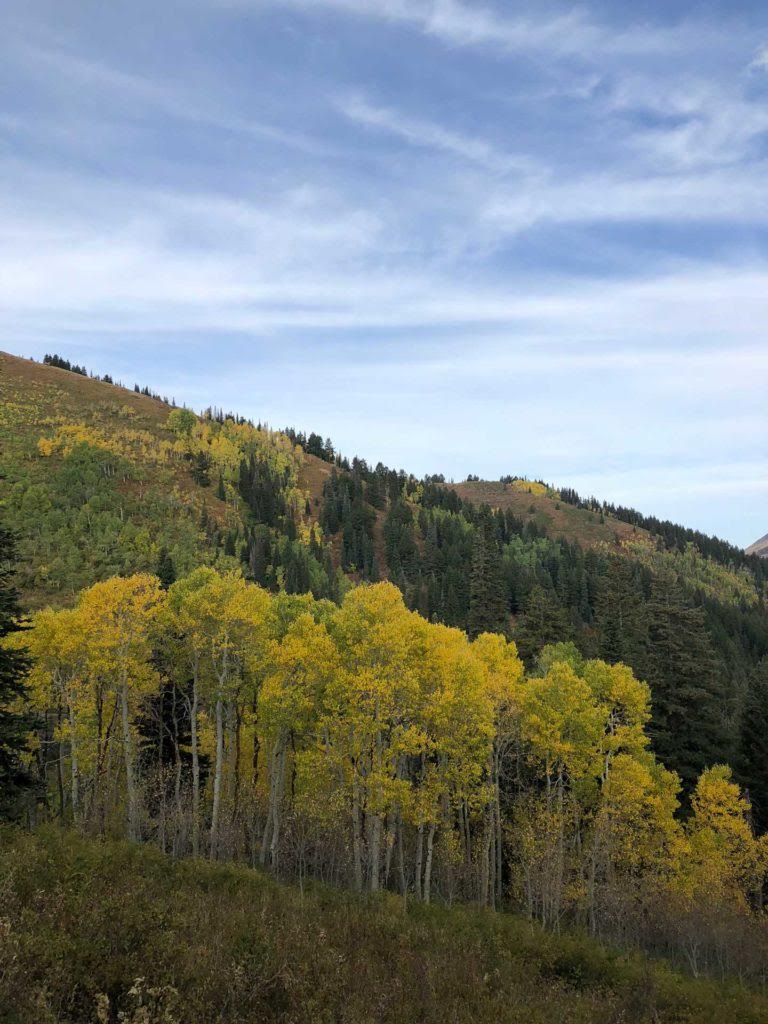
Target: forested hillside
(248,647)
(99,479)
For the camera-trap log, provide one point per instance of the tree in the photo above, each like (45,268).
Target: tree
(543,622)
(753,754)
(166,570)
(488,610)
(621,618)
(14,666)
(222,622)
(689,712)
(118,615)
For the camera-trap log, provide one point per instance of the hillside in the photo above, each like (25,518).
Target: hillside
(99,480)
(760,547)
(188,941)
(95,482)
(544,507)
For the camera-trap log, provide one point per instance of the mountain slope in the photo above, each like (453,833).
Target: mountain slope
(95,482)
(533,502)
(99,480)
(760,547)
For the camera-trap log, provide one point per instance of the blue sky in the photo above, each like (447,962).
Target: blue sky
(456,237)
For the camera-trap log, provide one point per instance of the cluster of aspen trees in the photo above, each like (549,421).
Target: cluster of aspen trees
(365,746)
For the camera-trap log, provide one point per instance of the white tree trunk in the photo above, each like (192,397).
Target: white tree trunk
(130,779)
(217,778)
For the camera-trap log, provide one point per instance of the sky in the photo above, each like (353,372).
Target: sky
(457,237)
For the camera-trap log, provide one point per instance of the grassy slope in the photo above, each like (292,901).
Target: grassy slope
(33,394)
(557,517)
(160,498)
(81,918)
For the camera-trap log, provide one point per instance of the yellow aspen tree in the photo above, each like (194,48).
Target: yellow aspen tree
(301,665)
(223,622)
(505,676)
(118,615)
(59,680)
(369,709)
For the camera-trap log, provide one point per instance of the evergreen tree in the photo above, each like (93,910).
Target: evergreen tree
(543,622)
(689,706)
(488,606)
(621,616)
(165,571)
(753,759)
(14,778)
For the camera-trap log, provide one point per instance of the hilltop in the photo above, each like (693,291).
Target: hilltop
(542,505)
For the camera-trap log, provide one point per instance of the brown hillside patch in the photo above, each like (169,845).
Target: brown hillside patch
(557,517)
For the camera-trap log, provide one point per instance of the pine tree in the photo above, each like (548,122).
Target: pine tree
(689,707)
(621,617)
(14,665)
(753,759)
(543,622)
(488,605)
(166,570)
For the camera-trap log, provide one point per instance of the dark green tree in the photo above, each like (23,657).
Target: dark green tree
(488,605)
(690,710)
(622,621)
(544,621)
(14,665)
(166,570)
(753,752)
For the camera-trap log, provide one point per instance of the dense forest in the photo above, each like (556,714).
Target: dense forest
(246,646)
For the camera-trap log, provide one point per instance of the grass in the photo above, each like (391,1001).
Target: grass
(81,922)
(529,501)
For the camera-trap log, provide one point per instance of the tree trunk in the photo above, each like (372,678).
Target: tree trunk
(214,838)
(428,864)
(374,859)
(357,838)
(130,780)
(75,770)
(418,862)
(195,765)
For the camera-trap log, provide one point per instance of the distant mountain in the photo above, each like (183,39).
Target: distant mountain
(760,547)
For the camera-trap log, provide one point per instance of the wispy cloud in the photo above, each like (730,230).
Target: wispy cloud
(572,32)
(457,236)
(434,136)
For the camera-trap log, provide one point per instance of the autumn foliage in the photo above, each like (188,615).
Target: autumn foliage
(366,747)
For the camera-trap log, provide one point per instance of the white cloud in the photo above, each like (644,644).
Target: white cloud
(760,60)
(434,136)
(572,33)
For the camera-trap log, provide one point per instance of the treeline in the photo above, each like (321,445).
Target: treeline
(364,746)
(484,570)
(64,364)
(672,534)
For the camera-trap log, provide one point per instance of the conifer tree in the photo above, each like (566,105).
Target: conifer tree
(689,705)
(166,571)
(621,617)
(488,607)
(14,666)
(754,744)
(543,622)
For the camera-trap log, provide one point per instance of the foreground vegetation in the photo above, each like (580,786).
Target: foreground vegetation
(363,746)
(89,930)
(219,674)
